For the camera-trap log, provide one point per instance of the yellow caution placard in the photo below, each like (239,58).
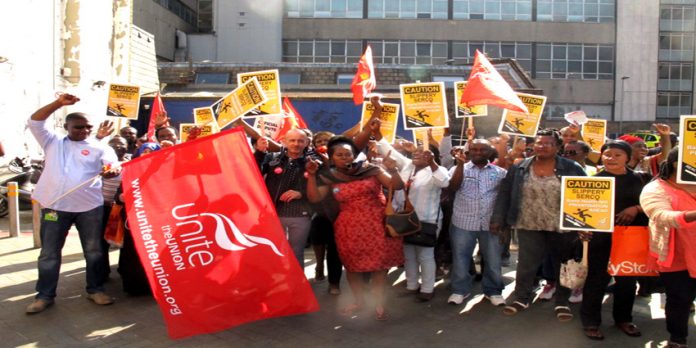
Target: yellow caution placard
(238,102)
(203,116)
(389,117)
(123,101)
(519,123)
(420,136)
(270,83)
(686,167)
(594,132)
(424,105)
(587,203)
(464,110)
(185,128)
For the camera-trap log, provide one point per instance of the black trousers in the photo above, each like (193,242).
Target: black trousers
(596,284)
(322,233)
(681,291)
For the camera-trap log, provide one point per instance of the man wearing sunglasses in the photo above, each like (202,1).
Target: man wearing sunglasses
(71,160)
(577,151)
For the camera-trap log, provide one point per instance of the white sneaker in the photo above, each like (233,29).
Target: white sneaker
(548,291)
(496,300)
(575,296)
(457,299)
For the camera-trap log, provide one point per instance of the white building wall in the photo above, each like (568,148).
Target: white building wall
(249,30)
(637,32)
(202,47)
(52,46)
(28,49)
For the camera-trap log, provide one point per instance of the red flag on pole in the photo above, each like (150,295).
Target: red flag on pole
(156,108)
(209,239)
(364,81)
(485,86)
(292,115)
(291,119)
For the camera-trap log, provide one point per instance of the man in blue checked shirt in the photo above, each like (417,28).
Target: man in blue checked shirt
(476,186)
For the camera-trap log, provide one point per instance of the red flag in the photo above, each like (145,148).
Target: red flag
(291,119)
(295,117)
(155,109)
(485,86)
(209,239)
(364,81)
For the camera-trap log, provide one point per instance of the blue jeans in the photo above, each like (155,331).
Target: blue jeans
(54,230)
(463,243)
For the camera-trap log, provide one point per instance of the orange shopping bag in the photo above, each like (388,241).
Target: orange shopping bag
(113,234)
(629,252)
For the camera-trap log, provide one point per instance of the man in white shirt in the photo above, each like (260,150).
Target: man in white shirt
(70,161)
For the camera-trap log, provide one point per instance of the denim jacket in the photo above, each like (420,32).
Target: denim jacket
(507,205)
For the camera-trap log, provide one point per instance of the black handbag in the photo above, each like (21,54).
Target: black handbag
(426,237)
(401,223)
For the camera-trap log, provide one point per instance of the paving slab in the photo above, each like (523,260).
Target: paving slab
(136,322)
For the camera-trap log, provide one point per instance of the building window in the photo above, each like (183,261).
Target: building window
(590,11)
(426,9)
(321,51)
(212,78)
(676,46)
(180,9)
(344,79)
(449,80)
(677,18)
(507,10)
(324,8)
(205,16)
(678,2)
(557,111)
(675,76)
(290,78)
(463,52)
(574,61)
(409,52)
(673,104)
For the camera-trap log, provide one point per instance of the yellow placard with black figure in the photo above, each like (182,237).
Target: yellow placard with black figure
(420,136)
(587,203)
(185,128)
(594,132)
(686,166)
(123,101)
(424,105)
(519,123)
(238,102)
(270,83)
(203,116)
(389,117)
(464,110)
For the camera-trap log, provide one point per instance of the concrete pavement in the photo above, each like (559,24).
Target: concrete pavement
(136,322)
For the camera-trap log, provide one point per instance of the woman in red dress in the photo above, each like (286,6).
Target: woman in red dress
(359,229)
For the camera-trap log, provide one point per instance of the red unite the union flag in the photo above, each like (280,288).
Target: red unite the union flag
(209,239)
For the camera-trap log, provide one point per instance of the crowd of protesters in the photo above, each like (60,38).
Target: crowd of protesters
(330,190)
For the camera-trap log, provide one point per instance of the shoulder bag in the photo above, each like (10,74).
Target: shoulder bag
(401,223)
